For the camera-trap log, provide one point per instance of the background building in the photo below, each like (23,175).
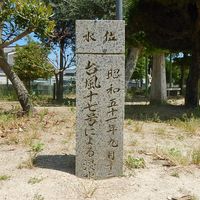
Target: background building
(39,86)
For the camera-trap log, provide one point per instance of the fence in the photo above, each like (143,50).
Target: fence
(38,89)
(7,92)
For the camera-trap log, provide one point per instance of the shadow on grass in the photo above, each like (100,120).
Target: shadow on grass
(159,112)
(65,163)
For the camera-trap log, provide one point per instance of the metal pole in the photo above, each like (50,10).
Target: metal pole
(119,10)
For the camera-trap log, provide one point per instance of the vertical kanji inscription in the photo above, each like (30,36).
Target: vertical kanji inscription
(100,98)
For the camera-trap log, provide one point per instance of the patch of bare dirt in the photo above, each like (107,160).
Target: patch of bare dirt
(165,148)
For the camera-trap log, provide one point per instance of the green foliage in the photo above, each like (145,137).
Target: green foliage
(38,197)
(130,93)
(175,174)
(179,3)
(66,12)
(176,71)
(6,118)
(64,30)
(139,72)
(129,122)
(163,24)
(37,147)
(4,177)
(173,156)
(7,93)
(136,38)
(156,118)
(21,17)
(135,163)
(174,152)
(31,62)
(189,123)
(196,156)
(91,9)
(180,64)
(43,113)
(34,180)
(36,13)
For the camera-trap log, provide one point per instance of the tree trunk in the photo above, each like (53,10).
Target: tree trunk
(54,91)
(131,62)
(158,85)
(19,87)
(61,74)
(182,79)
(56,85)
(192,86)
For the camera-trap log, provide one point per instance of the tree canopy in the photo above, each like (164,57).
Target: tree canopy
(65,14)
(164,24)
(172,25)
(18,18)
(91,9)
(31,62)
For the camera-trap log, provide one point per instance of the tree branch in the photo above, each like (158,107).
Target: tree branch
(20,36)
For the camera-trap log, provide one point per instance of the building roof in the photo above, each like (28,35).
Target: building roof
(70,72)
(9,49)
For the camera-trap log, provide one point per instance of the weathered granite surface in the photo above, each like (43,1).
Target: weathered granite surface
(100,110)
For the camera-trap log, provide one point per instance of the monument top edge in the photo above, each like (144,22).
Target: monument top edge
(89,20)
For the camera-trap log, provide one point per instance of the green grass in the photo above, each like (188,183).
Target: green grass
(6,117)
(7,93)
(34,180)
(4,177)
(173,156)
(175,174)
(196,156)
(138,127)
(156,118)
(134,163)
(34,150)
(160,131)
(38,197)
(43,113)
(73,110)
(129,122)
(134,142)
(194,198)
(189,124)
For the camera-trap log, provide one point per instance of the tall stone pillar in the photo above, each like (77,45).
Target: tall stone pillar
(100,86)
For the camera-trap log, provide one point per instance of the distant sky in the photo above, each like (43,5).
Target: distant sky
(53,56)
(23,41)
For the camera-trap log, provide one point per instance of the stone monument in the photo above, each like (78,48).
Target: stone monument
(100,88)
